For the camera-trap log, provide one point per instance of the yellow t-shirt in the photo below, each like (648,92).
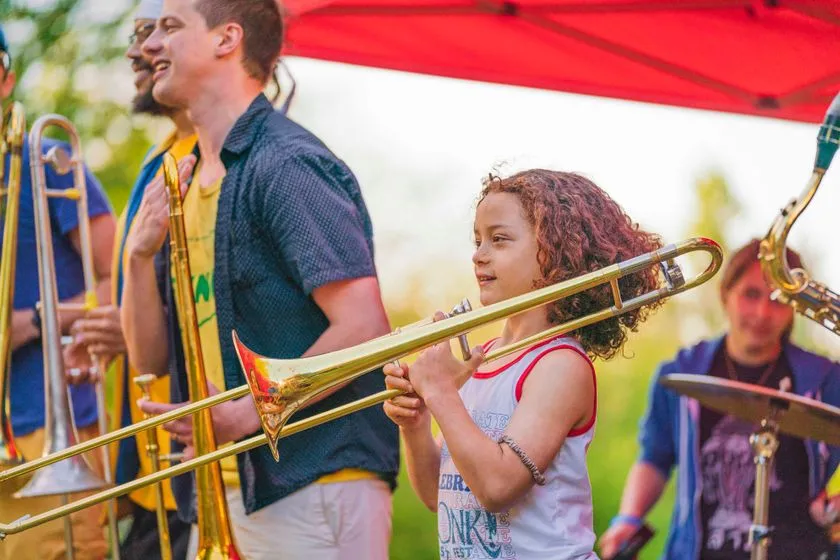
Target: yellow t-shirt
(160,389)
(833,488)
(200,206)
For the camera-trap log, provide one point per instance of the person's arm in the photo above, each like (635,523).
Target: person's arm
(102,228)
(422,451)
(318,230)
(649,475)
(495,474)
(422,459)
(644,486)
(354,310)
(142,312)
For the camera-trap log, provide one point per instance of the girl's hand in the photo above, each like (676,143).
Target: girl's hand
(438,371)
(407,411)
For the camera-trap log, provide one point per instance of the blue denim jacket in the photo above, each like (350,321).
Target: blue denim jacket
(669,435)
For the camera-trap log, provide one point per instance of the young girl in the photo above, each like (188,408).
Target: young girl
(510,478)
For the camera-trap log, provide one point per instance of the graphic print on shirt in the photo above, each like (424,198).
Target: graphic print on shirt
(465,529)
(728,484)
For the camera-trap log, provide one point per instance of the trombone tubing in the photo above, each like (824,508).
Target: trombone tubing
(27,523)
(127,431)
(612,272)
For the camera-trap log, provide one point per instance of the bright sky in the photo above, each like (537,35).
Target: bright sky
(420,146)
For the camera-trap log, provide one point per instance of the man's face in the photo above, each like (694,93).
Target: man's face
(182,52)
(143,101)
(757,323)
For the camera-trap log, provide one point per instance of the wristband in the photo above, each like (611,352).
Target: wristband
(629,519)
(36,320)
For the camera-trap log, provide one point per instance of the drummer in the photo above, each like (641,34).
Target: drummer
(714,501)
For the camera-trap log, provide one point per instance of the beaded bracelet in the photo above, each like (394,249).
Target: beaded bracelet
(535,472)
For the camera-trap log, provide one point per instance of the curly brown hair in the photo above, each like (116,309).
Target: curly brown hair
(580,229)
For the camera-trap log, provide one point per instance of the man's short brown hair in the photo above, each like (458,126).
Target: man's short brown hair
(744,257)
(262,24)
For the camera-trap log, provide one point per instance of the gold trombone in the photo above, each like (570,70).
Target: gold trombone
(284,386)
(215,535)
(794,286)
(71,475)
(12,135)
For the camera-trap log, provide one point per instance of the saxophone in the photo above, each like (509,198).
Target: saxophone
(795,287)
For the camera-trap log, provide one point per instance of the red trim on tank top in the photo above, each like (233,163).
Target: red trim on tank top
(495,372)
(521,382)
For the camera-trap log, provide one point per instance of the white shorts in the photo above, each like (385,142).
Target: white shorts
(336,521)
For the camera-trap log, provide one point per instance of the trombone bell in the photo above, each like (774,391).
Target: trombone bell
(65,477)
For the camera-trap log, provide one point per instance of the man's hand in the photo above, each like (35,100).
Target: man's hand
(614,538)
(98,333)
(232,420)
(824,510)
(152,222)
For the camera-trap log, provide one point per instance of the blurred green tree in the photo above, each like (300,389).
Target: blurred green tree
(68,56)
(716,209)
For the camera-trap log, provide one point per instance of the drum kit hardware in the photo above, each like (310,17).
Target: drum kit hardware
(773,412)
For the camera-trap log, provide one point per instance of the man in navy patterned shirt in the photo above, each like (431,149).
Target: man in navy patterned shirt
(279,229)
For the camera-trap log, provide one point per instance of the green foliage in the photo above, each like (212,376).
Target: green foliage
(63,53)
(716,208)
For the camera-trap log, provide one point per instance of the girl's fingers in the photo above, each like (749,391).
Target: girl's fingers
(393,370)
(398,383)
(397,413)
(407,402)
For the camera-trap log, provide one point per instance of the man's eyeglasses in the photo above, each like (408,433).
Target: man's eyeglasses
(141,34)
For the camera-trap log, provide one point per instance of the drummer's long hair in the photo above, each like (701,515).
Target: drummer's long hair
(740,262)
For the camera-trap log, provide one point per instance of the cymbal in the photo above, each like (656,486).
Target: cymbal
(797,416)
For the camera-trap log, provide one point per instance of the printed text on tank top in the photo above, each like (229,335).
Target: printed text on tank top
(577,430)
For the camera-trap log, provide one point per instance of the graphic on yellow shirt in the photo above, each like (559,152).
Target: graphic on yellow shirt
(200,206)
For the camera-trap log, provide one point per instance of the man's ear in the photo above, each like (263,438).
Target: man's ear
(228,39)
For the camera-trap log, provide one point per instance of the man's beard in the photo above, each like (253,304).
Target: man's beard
(144,103)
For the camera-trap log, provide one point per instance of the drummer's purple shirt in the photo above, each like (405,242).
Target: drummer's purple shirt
(669,435)
(728,475)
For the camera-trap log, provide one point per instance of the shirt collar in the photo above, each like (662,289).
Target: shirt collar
(247,126)
(162,147)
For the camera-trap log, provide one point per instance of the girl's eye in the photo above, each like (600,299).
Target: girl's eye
(499,238)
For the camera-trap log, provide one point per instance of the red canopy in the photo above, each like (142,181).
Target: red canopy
(776,58)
